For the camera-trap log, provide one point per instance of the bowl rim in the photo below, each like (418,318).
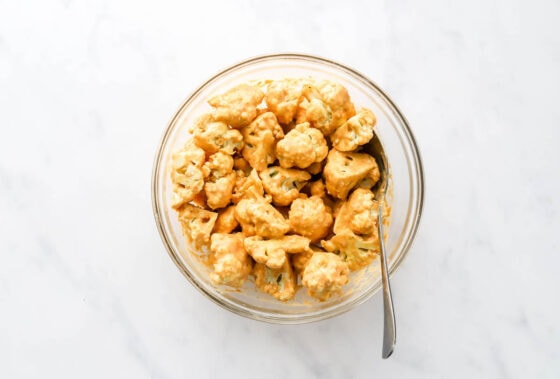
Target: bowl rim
(270,317)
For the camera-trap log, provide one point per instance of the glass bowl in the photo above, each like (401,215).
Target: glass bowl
(407,195)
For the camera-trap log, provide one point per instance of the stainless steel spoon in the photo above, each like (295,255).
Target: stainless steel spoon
(389,327)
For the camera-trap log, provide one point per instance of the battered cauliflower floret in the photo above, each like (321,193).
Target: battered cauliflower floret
(356,237)
(358,213)
(324,276)
(218,165)
(315,110)
(226,222)
(240,163)
(283,184)
(213,136)
(280,283)
(247,187)
(317,188)
(317,167)
(357,251)
(187,184)
(357,131)
(302,147)
(186,174)
(191,154)
(300,260)
(200,200)
(219,192)
(238,106)
(197,225)
(338,99)
(310,218)
(273,252)
(231,263)
(260,140)
(258,217)
(283,96)
(344,170)
(220,180)
(371,179)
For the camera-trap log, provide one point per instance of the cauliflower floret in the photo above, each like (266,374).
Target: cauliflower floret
(240,163)
(186,174)
(260,140)
(358,213)
(187,184)
(283,184)
(356,251)
(317,188)
(310,218)
(317,167)
(344,170)
(280,283)
(300,260)
(282,98)
(315,110)
(191,154)
(220,180)
(218,165)
(257,216)
(324,276)
(338,99)
(371,179)
(231,263)
(213,136)
(247,187)
(200,200)
(357,131)
(226,222)
(197,225)
(273,252)
(356,236)
(238,106)
(219,191)
(301,147)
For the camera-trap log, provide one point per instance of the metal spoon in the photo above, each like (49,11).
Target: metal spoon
(389,327)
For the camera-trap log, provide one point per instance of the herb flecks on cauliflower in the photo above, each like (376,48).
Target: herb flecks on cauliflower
(283,184)
(355,132)
(344,171)
(214,136)
(280,283)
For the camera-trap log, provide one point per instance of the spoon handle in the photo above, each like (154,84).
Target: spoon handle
(389,328)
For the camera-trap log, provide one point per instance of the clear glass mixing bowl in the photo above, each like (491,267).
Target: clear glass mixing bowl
(407,195)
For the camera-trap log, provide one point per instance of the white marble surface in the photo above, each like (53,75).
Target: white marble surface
(86,288)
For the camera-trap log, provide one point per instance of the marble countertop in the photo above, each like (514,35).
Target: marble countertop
(86,288)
